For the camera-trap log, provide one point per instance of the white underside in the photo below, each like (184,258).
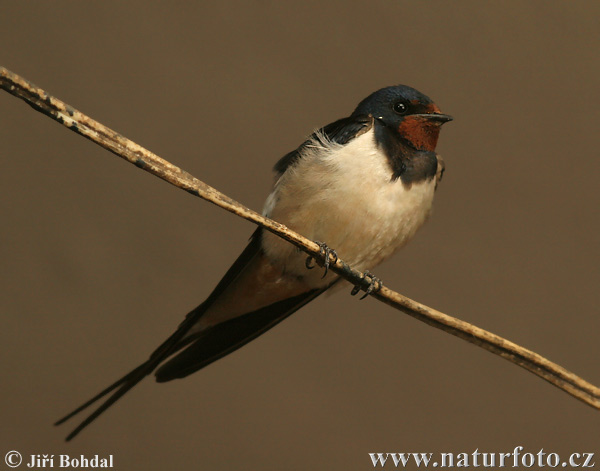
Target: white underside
(340,195)
(344,196)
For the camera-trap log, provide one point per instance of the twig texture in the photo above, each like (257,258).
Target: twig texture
(146,160)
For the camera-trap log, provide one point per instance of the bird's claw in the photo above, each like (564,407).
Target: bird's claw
(325,252)
(375,285)
(309,259)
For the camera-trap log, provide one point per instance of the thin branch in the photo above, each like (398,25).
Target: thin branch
(146,160)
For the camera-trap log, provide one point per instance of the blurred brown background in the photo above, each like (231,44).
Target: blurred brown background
(100,261)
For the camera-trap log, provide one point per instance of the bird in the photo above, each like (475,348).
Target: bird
(360,187)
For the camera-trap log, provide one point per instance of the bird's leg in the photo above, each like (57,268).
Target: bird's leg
(375,285)
(325,252)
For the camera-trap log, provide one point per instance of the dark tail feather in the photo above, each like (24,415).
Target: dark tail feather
(228,336)
(173,344)
(128,381)
(100,395)
(205,348)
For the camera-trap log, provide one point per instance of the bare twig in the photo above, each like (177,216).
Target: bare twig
(146,160)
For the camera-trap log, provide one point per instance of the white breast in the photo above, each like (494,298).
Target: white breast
(344,196)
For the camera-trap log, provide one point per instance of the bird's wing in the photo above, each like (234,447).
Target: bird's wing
(341,131)
(219,337)
(224,338)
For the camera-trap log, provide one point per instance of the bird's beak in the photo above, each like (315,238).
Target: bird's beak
(437,118)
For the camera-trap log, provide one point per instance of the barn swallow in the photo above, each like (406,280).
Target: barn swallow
(363,185)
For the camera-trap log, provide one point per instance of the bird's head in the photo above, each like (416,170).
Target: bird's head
(407,112)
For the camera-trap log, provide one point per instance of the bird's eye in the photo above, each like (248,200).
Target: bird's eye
(400,107)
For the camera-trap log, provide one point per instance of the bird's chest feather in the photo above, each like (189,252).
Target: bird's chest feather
(345,197)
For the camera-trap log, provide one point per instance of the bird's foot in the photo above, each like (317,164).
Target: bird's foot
(325,252)
(375,285)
